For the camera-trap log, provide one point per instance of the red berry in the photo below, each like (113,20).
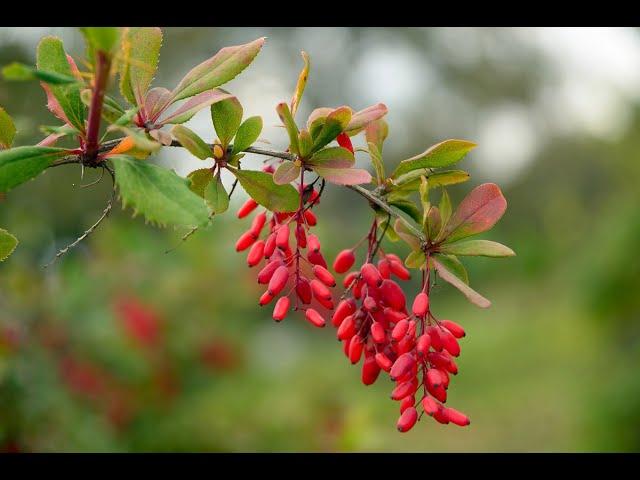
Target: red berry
(405,345)
(429,405)
(347,328)
(255,254)
(303,290)
(317,259)
(247,207)
(301,236)
(407,402)
(278,280)
(455,329)
(377,332)
(270,245)
(457,417)
(281,309)
(344,261)
(320,290)
(257,224)
(324,275)
(420,305)
(383,361)
(440,415)
(436,341)
(407,420)
(423,344)
(370,370)
(245,241)
(310,218)
(449,342)
(370,304)
(392,295)
(371,275)
(314,243)
(314,318)
(402,365)
(282,237)
(265,298)
(404,389)
(400,330)
(344,141)
(355,349)
(267,272)
(384,268)
(394,316)
(399,270)
(345,308)
(349,279)
(433,378)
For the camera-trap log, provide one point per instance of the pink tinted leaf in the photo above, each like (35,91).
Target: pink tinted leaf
(473,296)
(50,140)
(344,176)
(332,157)
(192,106)
(53,105)
(477,213)
(361,119)
(286,172)
(155,102)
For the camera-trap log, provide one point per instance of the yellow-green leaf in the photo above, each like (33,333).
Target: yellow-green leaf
(290,125)
(8,244)
(247,134)
(261,187)
(19,164)
(140,53)
(484,248)
(7,129)
(199,179)
(226,116)
(216,196)
(302,83)
(191,141)
(334,124)
(440,155)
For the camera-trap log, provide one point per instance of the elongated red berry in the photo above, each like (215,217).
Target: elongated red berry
(313,243)
(436,342)
(247,207)
(377,332)
(404,389)
(320,290)
(434,380)
(282,237)
(407,420)
(429,405)
(370,305)
(399,270)
(402,365)
(349,279)
(310,218)
(303,290)
(317,259)
(344,309)
(400,330)
(355,349)
(344,261)
(347,328)
(257,223)
(456,417)
(281,309)
(393,295)
(270,245)
(265,298)
(371,275)
(440,415)
(344,141)
(394,316)
(370,370)
(267,272)
(383,361)
(405,345)
(278,280)
(455,329)
(255,254)
(324,275)
(423,344)
(449,342)
(407,402)
(384,268)
(314,318)
(420,305)
(439,393)
(301,236)
(245,241)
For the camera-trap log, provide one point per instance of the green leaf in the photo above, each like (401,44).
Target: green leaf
(247,134)
(360,120)
(440,155)
(473,296)
(411,181)
(316,120)
(376,160)
(216,196)
(199,179)
(454,265)
(305,143)
(192,142)
(407,235)
(332,157)
(286,173)
(19,72)
(8,244)
(226,116)
(261,187)
(17,165)
(383,219)
(445,212)
(7,129)
(343,176)
(376,133)
(433,223)
(416,259)
(102,38)
(424,196)
(484,248)
(408,207)
(477,213)
(219,69)
(334,125)
(159,194)
(51,57)
(302,83)
(140,54)
(290,125)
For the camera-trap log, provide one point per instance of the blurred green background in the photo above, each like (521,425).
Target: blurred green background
(551,366)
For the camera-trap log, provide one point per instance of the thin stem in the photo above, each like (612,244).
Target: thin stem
(103,66)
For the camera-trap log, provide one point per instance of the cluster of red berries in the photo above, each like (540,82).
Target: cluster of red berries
(288,269)
(415,349)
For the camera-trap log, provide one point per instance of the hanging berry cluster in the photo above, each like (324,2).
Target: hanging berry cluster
(415,348)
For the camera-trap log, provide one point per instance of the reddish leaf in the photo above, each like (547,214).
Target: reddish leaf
(477,213)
